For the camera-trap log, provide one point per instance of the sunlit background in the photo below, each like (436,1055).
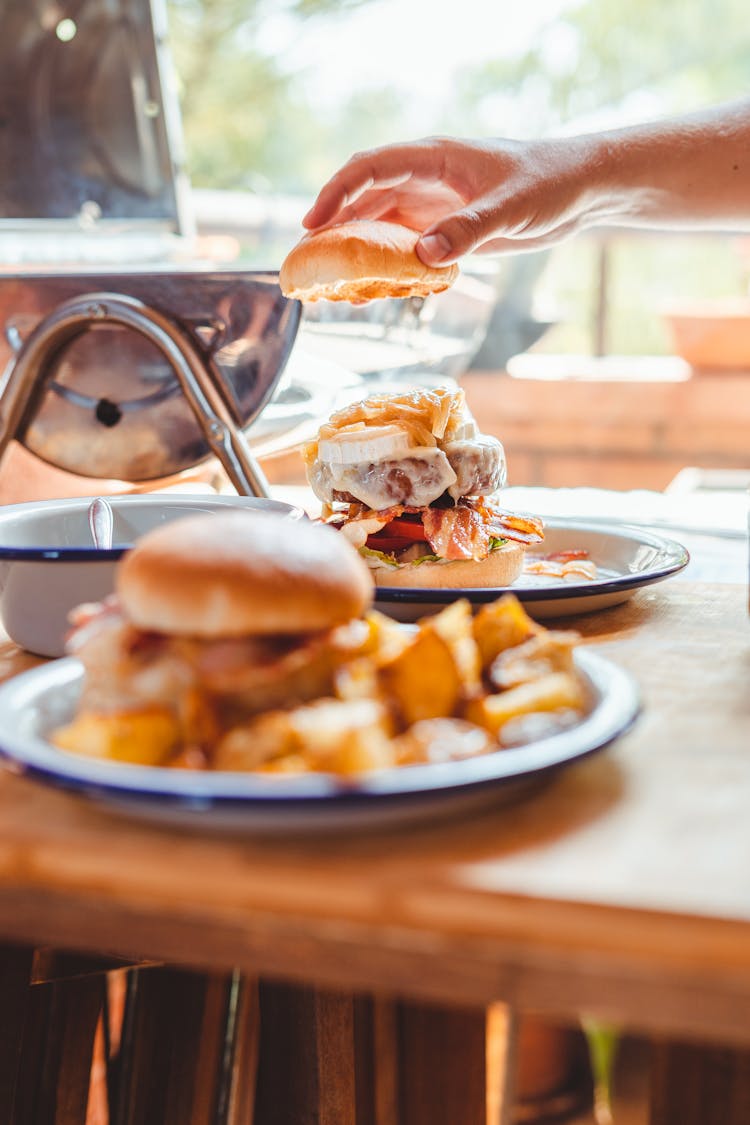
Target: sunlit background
(275,96)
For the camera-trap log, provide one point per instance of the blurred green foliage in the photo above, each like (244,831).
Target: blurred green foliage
(246,120)
(604,55)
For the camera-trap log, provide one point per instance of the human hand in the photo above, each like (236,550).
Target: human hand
(464,196)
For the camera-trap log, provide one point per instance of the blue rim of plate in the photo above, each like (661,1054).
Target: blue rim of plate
(616,706)
(672,558)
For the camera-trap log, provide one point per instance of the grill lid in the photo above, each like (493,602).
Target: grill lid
(100,358)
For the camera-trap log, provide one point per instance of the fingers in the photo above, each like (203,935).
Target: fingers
(460,233)
(371,204)
(379,169)
(338,198)
(505,243)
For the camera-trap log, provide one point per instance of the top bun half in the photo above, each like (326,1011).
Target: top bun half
(238,574)
(360,261)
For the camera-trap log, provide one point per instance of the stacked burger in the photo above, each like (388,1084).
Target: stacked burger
(410,481)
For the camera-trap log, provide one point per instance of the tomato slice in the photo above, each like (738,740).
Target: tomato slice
(389,546)
(397,535)
(411,530)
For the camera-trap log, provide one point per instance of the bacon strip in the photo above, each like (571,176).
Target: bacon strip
(457,533)
(461,532)
(518,526)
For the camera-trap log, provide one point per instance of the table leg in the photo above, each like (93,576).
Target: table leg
(308,1063)
(15,974)
(699,1084)
(55,1067)
(172,1049)
(337,1058)
(241,1046)
(448,1075)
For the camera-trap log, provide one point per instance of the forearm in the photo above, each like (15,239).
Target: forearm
(692,171)
(507,196)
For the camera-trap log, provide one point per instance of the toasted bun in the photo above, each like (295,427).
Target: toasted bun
(359,261)
(242,573)
(501,568)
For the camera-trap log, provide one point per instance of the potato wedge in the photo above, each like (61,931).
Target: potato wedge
(544,652)
(423,681)
(442,740)
(254,744)
(501,625)
(145,738)
(455,624)
(343,736)
(559,691)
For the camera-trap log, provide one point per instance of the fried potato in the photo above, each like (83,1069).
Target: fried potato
(544,652)
(455,624)
(523,729)
(255,743)
(289,766)
(437,670)
(558,691)
(501,625)
(198,719)
(357,680)
(145,738)
(442,740)
(345,736)
(423,681)
(387,637)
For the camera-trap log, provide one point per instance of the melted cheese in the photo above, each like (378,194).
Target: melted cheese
(415,480)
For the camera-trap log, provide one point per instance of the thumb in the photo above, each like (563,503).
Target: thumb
(455,235)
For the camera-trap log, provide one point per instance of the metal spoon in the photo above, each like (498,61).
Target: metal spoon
(101,523)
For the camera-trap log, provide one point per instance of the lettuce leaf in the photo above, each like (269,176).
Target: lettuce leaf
(379,556)
(390,560)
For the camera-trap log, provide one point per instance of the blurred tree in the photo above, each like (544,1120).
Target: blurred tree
(246,120)
(626,58)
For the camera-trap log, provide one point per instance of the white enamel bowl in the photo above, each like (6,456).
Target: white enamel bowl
(49,564)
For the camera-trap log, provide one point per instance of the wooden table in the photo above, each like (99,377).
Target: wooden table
(621,889)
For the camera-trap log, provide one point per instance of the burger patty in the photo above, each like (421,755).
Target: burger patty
(462,468)
(415,480)
(128,668)
(479,465)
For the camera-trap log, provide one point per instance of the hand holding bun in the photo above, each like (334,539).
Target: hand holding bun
(359,261)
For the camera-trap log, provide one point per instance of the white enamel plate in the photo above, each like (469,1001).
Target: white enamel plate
(626,558)
(36,702)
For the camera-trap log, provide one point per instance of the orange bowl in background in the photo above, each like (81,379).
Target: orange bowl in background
(711,335)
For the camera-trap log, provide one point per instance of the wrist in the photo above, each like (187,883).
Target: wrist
(619,167)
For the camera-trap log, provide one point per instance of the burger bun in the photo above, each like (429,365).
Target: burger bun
(234,574)
(501,568)
(359,261)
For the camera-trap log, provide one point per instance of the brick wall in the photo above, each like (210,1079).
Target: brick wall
(613,433)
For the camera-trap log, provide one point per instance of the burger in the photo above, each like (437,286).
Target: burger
(358,261)
(412,484)
(215,619)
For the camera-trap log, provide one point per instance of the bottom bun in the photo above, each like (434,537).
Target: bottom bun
(501,568)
